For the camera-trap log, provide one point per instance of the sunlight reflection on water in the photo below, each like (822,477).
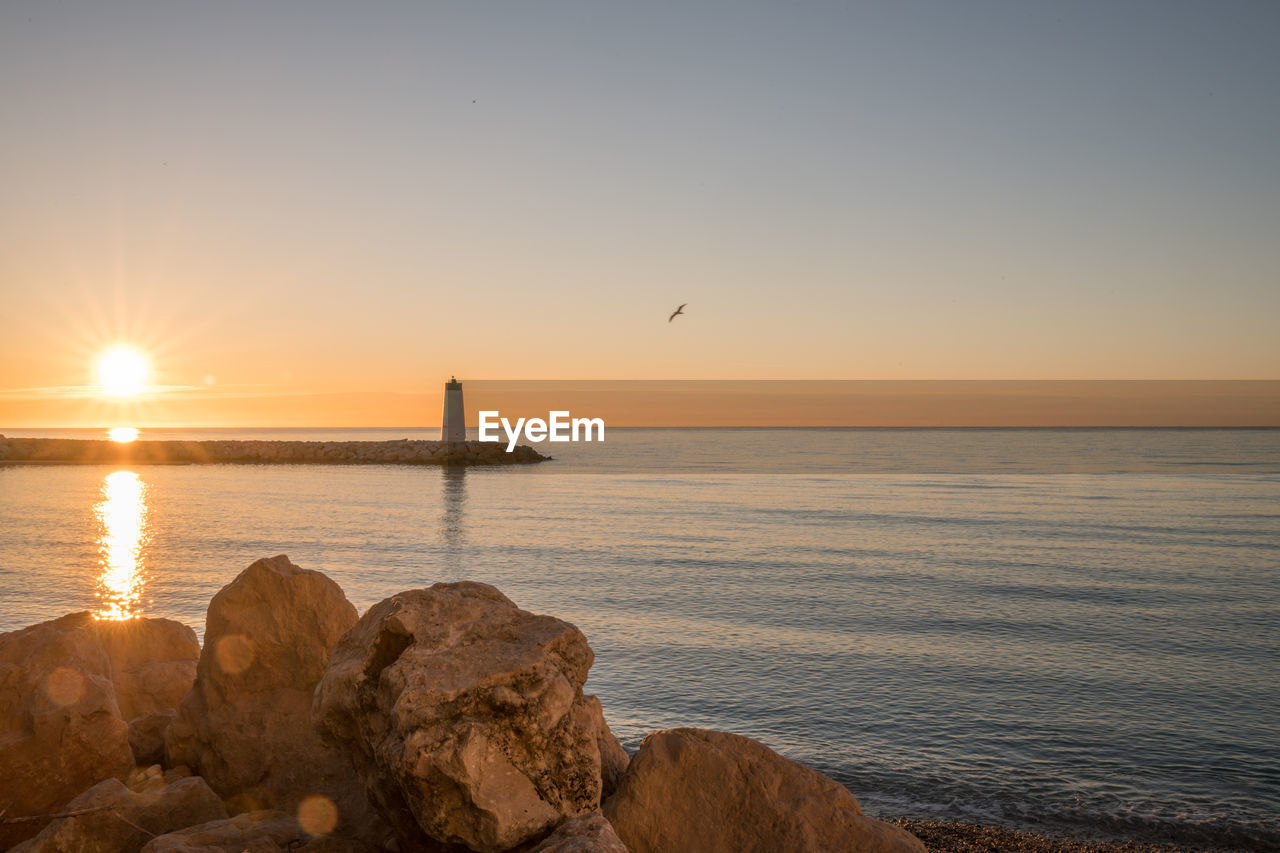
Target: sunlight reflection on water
(122,536)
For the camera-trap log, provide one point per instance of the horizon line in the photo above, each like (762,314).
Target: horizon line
(103,428)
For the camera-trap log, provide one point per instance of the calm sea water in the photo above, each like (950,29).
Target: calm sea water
(1063,629)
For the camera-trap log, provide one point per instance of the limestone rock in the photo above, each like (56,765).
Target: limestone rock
(695,789)
(246,726)
(150,805)
(153,663)
(146,736)
(466,717)
(589,833)
(60,727)
(613,758)
(153,666)
(263,831)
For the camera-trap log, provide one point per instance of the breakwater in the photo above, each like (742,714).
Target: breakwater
(403,452)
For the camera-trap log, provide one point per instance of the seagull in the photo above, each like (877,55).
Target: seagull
(677,312)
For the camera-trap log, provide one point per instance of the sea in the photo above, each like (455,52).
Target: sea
(1062,630)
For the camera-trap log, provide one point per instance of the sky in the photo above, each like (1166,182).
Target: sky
(291,201)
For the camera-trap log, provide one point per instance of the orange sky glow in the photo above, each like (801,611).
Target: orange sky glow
(897,192)
(695,403)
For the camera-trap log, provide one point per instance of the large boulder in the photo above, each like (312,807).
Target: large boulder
(153,666)
(695,789)
(60,727)
(263,831)
(246,724)
(153,663)
(124,817)
(466,717)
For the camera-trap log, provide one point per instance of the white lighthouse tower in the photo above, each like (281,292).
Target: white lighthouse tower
(454,425)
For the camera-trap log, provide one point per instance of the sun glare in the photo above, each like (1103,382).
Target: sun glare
(123,434)
(122,372)
(123,535)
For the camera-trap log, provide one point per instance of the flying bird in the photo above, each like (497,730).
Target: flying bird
(676,313)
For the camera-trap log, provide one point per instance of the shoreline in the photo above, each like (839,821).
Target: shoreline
(74,451)
(961,837)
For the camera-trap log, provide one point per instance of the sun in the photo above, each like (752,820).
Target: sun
(122,372)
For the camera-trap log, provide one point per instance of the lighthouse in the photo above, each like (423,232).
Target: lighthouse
(454,425)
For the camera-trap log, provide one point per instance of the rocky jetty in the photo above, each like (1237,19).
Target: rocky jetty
(403,452)
(443,720)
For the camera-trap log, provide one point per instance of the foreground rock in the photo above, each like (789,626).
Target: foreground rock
(613,758)
(60,727)
(146,737)
(585,834)
(263,831)
(124,817)
(466,716)
(153,666)
(153,663)
(246,724)
(72,691)
(695,789)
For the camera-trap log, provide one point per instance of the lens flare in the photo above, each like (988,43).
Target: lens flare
(318,815)
(234,653)
(124,435)
(65,686)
